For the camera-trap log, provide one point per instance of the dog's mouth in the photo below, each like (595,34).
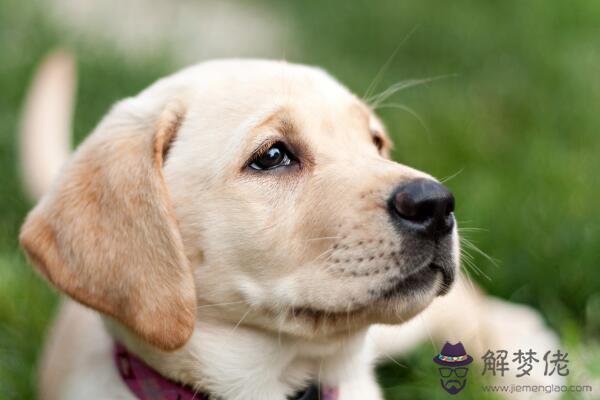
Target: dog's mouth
(421,279)
(319,316)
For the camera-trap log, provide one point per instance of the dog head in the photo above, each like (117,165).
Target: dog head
(252,191)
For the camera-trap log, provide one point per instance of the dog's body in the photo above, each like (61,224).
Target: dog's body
(239,278)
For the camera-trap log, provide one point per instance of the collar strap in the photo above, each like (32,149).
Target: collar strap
(147,384)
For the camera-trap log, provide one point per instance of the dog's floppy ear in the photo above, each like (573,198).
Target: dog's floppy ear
(106,234)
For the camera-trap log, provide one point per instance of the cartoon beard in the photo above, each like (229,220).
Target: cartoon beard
(453,386)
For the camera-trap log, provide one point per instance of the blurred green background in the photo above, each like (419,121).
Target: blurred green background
(517,122)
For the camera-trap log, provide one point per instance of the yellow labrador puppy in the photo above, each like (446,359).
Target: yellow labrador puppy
(233,231)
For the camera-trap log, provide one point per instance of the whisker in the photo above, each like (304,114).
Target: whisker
(319,376)
(330,251)
(408,110)
(241,319)
(445,286)
(476,269)
(221,304)
(465,256)
(466,242)
(386,65)
(324,238)
(465,259)
(465,253)
(469,280)
(454,175)
(195,393)
(394,361)
(471,229)
(376,100)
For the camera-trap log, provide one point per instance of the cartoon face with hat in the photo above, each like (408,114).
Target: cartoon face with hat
(453,360)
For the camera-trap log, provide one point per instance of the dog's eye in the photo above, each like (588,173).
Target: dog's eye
(274,157)
(378,141)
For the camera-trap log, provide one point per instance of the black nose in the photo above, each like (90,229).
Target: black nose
(423,206)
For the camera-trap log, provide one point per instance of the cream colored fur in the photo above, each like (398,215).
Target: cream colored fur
(212,273)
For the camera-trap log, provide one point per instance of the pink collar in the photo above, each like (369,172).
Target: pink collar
(147,384)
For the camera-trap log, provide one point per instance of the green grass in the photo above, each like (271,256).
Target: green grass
(517,120)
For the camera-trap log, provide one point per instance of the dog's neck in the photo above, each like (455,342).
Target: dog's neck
(236,363)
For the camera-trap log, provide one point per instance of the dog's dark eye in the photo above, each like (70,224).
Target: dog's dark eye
(378,141)
(274,157)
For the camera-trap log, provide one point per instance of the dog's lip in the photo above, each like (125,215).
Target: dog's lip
(447,278)
(316,313)
(425,276)
(418,279)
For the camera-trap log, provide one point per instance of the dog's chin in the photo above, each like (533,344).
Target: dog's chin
(393,304)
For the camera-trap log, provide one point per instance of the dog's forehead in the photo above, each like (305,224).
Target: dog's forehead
(241,94)
(275,76)
(252,78)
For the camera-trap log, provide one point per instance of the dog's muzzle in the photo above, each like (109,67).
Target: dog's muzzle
(424,209)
